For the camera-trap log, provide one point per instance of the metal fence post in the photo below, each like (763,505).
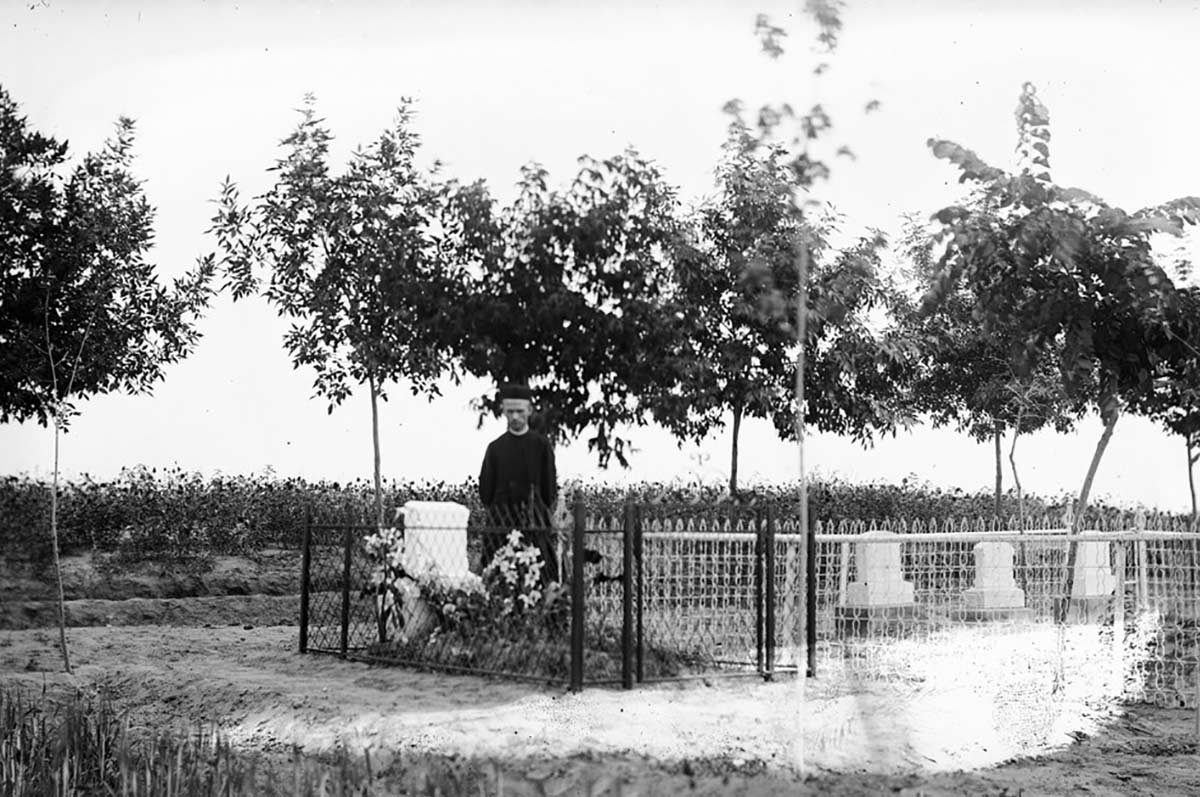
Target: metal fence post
(627,598)
(305,577)
(1118,650)
(843,568)
(810,598)
(349,543)
(639,559)
(1143,583)
(758,594)
(769,543)
(577,614)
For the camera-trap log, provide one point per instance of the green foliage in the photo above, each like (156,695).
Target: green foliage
(146,512)
(84,744)
(965,376)
(82,311)
(1054,271)
(735,260)
(1174,398)
(1060,277)
(504,621)
(348,258)
(1175,395)
(136,512)
(738,258)
(564,292)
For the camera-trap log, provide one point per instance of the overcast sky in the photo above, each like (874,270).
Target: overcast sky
(213,86)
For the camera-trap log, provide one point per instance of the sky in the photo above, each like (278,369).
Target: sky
(213,87)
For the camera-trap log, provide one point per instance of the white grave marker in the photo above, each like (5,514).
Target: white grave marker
(435,540)
(1094,577)
(879,580)
(994,587)
(435,537)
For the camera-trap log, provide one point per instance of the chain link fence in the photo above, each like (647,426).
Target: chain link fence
(659,592)
(926,601)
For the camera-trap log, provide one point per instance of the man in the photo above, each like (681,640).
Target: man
(518,483)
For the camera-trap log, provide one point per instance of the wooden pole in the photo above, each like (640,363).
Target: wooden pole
(577,608)
(639,560)
(1118,651)
(348,543)
(769,544)
(810,601)
(627,651)
(758,598)
(305,578)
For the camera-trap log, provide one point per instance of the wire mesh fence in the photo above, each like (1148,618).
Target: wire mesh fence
(443,588)
(888,604)
(658,592)
(701,590)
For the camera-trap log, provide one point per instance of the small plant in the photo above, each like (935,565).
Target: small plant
(514,576)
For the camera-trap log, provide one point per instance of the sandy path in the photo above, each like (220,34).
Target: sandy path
(266,694)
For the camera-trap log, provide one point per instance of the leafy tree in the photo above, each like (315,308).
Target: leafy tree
(351,260)
(767,260)
(739,264)
(565,292)
(727,261)
(82,310)
(1174,398)
(965,375)
(1070,277)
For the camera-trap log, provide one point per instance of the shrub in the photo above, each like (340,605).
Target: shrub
(144,512)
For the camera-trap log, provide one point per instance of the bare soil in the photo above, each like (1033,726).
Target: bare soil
(231,658)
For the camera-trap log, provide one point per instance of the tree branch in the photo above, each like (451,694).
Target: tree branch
(79,354)
(50,352)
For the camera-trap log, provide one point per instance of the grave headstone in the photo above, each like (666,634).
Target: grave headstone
(1094,577)
(995,587)
(879,581)
(435,542)
(435,537)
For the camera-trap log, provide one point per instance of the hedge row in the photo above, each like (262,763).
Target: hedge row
(174,511)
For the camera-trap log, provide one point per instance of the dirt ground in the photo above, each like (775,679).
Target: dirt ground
(232,659)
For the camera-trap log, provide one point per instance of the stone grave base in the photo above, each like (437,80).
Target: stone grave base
(1015,614)
(1088,611)
(419,618)
(874,620)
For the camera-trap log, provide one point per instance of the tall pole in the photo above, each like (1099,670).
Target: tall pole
(577,595)
(802,337)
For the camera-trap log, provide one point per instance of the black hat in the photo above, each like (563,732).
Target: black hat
(513,391)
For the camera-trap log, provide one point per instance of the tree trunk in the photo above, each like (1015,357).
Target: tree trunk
(802,337)
(998,439)
(1080,510)
(733,457)
(62,603)
(1192,442)
(375,440)
(1012,464)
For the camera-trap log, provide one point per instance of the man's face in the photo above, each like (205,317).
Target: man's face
(516,412)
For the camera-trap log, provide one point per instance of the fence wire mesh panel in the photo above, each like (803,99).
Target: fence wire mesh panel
(920,605)
(447,589)
(702,593)
(672,592)
(789,594)
(331,597)
(603,595)
(1161,618)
